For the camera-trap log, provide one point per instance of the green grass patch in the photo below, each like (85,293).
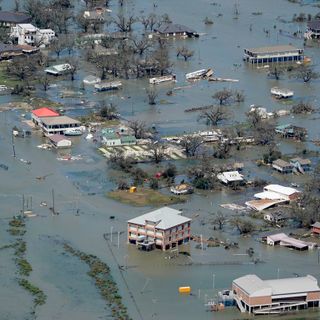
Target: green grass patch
(145,197)
(100,273)
(24,267)
(39,296)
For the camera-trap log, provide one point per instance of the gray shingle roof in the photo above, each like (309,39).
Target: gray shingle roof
(174,28)
(9,48)
(14,17)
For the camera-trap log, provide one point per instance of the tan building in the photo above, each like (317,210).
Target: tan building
(163,228)
(258,296)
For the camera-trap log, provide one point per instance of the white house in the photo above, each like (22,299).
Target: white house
(26,33)
(230,177)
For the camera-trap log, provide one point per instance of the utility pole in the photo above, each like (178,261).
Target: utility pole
(118,239)
(13,146)
(53,206)
(111,233)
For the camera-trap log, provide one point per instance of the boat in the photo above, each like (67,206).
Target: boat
(181,189)
(158,80)
(199,74)
(281,93)
(73,132)
(107,86)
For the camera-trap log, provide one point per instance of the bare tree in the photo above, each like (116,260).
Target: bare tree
(306,73)
(238,96)
(162,61)
(275,73)
(254,118)
(219,219)
(58,45)
(44,81)
(184,52)
(108,111)
(214,115)
(141,45)
(223,96)
(22,68)
(302,108)
(191,144)
(82,22)
(124,24)
(139,128)
(157,151)
(222,150)
(243,226)
(74,66)
(152,95)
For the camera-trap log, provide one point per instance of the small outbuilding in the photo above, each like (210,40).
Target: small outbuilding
(316,228)
(59,141)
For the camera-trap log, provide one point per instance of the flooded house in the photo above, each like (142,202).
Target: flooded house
(230,177)
(285,241)
(59,141)
(175,30)
(273,54)
(26,33)
(111,138)
(37,114)
(58,125)
(291,131)
(282,166)
(164,228)
(313,30)
(257,296)
(301,164)
(274,217)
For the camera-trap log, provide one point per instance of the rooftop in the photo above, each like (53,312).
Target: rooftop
(230,176)
(288,241)
(281,163)
(255,287)
(263,204)
(280,189)
(165,218)
(316,225)
(45,112)
(61,120)
(301,161)
(9,48)
(28,26)
(314,24)
(57,138)
(14,17)
(273,49)
(174,28)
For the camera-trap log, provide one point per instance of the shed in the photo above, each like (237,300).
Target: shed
(59,141)
(316,228)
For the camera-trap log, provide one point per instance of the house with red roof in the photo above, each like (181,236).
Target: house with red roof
(37,114)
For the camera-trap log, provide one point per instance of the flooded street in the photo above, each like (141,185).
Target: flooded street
(80,186)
